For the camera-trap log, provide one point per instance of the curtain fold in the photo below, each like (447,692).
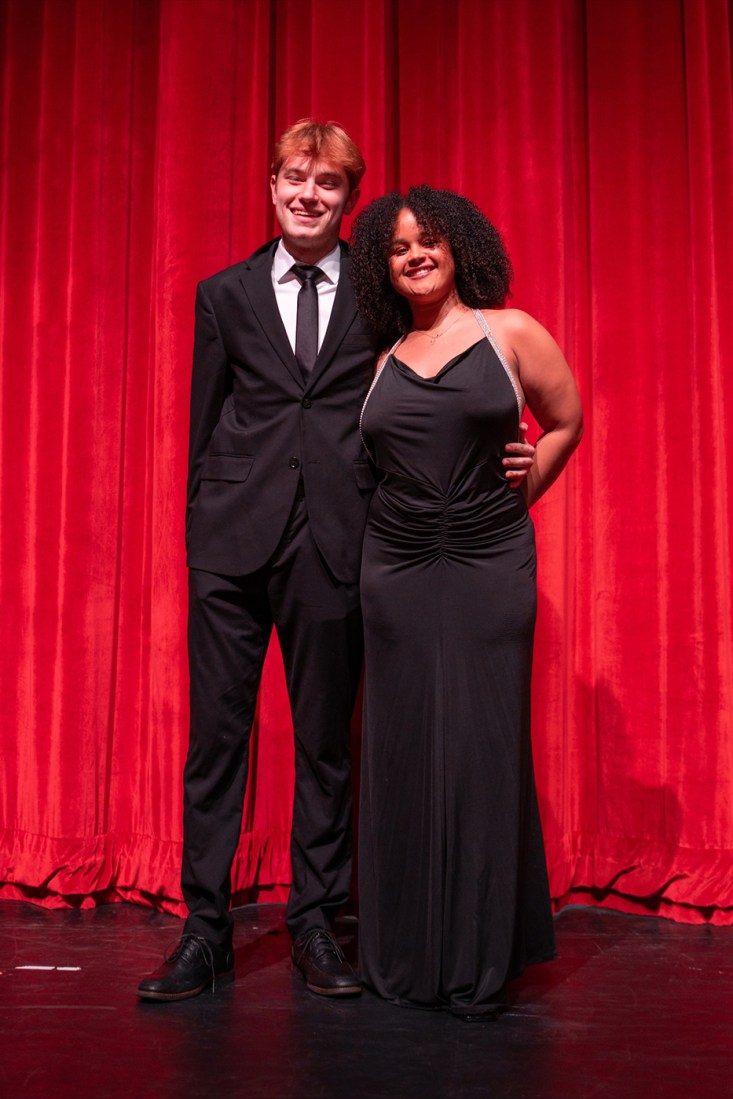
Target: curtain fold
(136,137)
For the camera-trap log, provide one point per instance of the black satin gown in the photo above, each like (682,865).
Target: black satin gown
(453,893)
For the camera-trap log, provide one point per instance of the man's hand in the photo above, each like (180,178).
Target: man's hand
(520,457)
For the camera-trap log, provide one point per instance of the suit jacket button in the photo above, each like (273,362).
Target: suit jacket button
(293,463)
(306,403)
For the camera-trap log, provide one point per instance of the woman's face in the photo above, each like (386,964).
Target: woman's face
(421,266)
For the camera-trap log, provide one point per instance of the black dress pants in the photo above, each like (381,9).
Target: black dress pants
(319,627)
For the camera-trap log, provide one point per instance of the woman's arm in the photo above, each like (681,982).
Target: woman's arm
(550,391)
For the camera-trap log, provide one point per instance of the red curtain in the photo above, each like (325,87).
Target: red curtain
(135,145)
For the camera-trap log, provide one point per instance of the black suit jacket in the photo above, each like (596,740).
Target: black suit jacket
(257,427)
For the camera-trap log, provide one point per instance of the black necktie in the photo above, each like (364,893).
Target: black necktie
(306,329)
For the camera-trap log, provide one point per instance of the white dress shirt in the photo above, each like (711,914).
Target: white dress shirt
(287,286)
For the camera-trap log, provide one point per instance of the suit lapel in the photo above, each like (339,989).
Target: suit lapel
(257,284)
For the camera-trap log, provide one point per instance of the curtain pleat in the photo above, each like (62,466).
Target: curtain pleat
(136,137)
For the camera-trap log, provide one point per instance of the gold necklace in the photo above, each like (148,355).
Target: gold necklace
(436,336)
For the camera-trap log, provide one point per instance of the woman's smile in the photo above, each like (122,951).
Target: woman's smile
(419,262)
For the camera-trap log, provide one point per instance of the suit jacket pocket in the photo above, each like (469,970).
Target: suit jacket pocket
(364,474)
(227,467)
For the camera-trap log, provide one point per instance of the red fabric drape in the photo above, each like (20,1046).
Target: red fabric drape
(135,144)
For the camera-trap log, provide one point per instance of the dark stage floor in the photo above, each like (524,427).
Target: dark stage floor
(633,1006)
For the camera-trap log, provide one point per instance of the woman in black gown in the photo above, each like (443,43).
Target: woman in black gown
(453,892)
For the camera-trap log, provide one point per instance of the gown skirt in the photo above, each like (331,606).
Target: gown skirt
(453,891)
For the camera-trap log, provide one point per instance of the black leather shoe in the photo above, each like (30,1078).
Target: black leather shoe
(194,965)
(321,961)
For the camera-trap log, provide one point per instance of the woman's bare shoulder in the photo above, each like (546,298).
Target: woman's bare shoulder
(511,321)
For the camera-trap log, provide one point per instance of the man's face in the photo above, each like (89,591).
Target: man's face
(310,198)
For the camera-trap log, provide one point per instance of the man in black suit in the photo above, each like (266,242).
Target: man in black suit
(278,491)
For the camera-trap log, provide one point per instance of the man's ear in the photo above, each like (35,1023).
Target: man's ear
(352,201)
(273,181)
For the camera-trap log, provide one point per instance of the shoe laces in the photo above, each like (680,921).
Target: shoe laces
(187,947)
(320,943)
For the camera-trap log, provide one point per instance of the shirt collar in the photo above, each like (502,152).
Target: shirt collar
(283,261)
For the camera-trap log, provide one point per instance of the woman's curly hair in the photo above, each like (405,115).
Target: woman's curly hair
(483,268)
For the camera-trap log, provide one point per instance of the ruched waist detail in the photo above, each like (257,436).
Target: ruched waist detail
(419,519)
